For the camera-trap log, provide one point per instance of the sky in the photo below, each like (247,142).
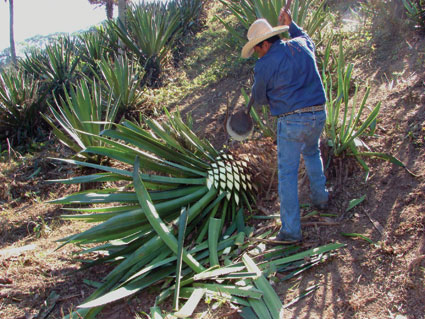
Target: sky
(43,17)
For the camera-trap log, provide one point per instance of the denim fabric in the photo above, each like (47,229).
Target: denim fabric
(299,134)
(287,77)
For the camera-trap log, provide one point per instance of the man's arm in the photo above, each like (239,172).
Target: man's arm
(285,18)
(259,88)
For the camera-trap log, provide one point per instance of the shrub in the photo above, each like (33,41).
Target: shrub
(123,80)
(20,104)
(82,113)
(416,12)
(55,66)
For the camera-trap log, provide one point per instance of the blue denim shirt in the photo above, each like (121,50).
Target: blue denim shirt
(287,77)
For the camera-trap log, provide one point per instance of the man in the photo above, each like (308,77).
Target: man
(286,77)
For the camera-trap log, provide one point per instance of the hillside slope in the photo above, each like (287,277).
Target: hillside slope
(381,280)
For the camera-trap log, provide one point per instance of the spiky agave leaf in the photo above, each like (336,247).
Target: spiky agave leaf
(79,112)
(168,168)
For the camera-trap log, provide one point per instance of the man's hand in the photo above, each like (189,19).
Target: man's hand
(285,14)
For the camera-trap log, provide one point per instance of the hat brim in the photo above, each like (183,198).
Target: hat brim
(248,48)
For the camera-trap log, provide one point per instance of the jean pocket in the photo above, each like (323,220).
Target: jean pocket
(296,130)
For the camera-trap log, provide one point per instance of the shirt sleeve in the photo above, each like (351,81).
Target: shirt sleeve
(295,31)
(259,88)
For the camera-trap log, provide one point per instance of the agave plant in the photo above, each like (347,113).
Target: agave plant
(93,46)
(80,114)
(177,217)
(416,12)
(343,130)
(34,57)
(189,12)
(190,173)
(347,122)
(308,14)
(55,66)
(122,79)
(150,31)
(20,104)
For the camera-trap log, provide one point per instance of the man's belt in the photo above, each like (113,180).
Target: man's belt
(314,108)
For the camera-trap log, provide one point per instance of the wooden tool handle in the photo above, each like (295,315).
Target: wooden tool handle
(288,4)
(284,10)
(250,104)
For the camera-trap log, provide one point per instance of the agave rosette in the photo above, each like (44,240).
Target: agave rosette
(170,168)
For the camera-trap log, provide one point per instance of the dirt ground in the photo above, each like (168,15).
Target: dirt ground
(381,280)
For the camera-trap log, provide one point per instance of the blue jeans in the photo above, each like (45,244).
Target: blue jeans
(299,134)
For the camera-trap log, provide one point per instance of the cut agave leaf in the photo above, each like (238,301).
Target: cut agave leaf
(182,232)
(214,229)
(189,307)
(247,291)
(271,299)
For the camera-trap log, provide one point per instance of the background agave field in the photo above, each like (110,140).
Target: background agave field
(152,31)
(165,201)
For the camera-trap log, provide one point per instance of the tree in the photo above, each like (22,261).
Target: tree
(122,6)
(109,6)
(12,37)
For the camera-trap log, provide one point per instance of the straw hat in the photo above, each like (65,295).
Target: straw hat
(259,31)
